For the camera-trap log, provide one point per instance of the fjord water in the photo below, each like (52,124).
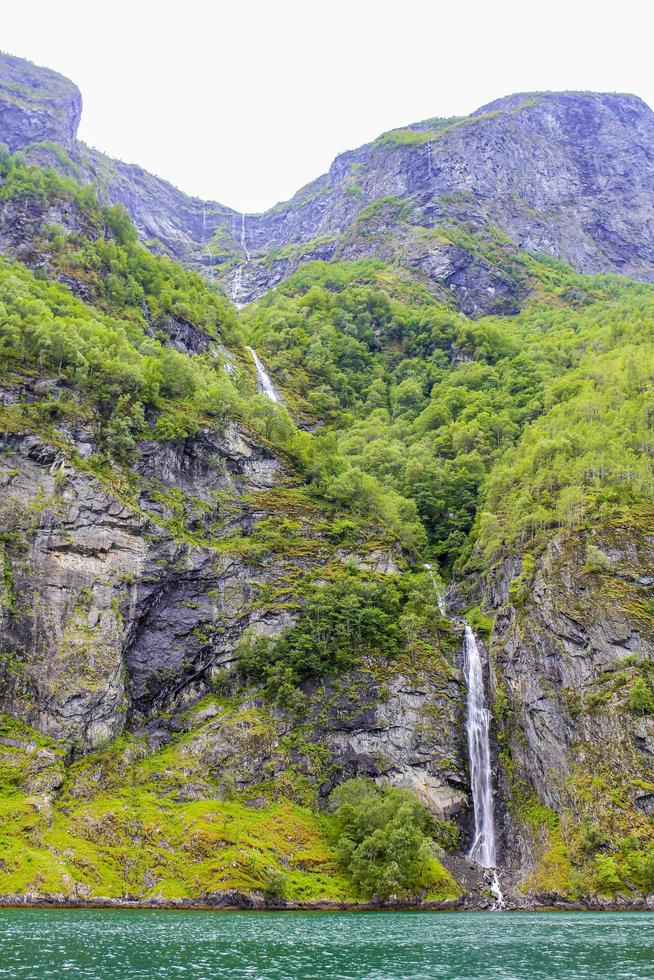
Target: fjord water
(131,945)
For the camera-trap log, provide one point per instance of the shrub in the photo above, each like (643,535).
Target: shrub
(275,884)
(592,837)
(482,625)
(341,622)
(520,587)
(607,879)
(596,560)
(641,700)
(387,841)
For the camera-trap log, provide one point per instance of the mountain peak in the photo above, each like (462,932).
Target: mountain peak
(567,98)
(37,105)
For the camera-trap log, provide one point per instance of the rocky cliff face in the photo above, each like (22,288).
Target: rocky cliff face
(113,619)
(105,616)
(37,106)
(573,637)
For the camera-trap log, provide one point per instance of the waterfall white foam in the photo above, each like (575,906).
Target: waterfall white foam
(237,281)
(440,598)
(264,383)
(237,284)
(477,726)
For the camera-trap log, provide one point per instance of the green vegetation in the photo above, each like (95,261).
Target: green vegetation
(388,841)
(115,366)
(137,834)
(496,430)
(355,620)
(415,136)
(342,622)
(106,259)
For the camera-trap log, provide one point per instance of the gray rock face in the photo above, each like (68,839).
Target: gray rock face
(410,738)
(104,614)
(406,735)
(566,659)
(36,105)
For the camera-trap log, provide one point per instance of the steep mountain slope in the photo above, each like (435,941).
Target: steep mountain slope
(217,610)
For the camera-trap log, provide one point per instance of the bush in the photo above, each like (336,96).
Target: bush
(275,884)
(596,560)
(641,867)
(520,587)
(607,878)
(387,841)
(482,625)
(341,622)
(641,700)
(592,837)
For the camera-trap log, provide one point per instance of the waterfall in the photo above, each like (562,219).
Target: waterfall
(148,318)
(243,243)
(264,384)
(477,728)
(440,598)
(237,284)
(237,281)
(205,245)
(483,848)
(478,717)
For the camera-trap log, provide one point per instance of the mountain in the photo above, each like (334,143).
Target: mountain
(567,174)
(228,672)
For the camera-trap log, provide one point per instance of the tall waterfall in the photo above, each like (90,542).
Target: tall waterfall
(477,727)
(264,383)
(483,849)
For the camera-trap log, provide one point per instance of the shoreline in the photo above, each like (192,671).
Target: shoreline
(243,902)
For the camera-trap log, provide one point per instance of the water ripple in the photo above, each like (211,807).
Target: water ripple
(144,945)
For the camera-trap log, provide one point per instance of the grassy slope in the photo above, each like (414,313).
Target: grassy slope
(120,827)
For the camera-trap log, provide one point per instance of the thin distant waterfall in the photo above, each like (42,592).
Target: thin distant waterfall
(237,281)
(205,245)
(264,383)
(243,241)
(237,284)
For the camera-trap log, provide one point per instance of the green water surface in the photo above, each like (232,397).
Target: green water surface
(121,945)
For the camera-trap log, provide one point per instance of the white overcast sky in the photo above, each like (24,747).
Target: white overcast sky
(244,101)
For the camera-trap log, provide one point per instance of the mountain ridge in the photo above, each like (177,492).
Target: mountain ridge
(551,171)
